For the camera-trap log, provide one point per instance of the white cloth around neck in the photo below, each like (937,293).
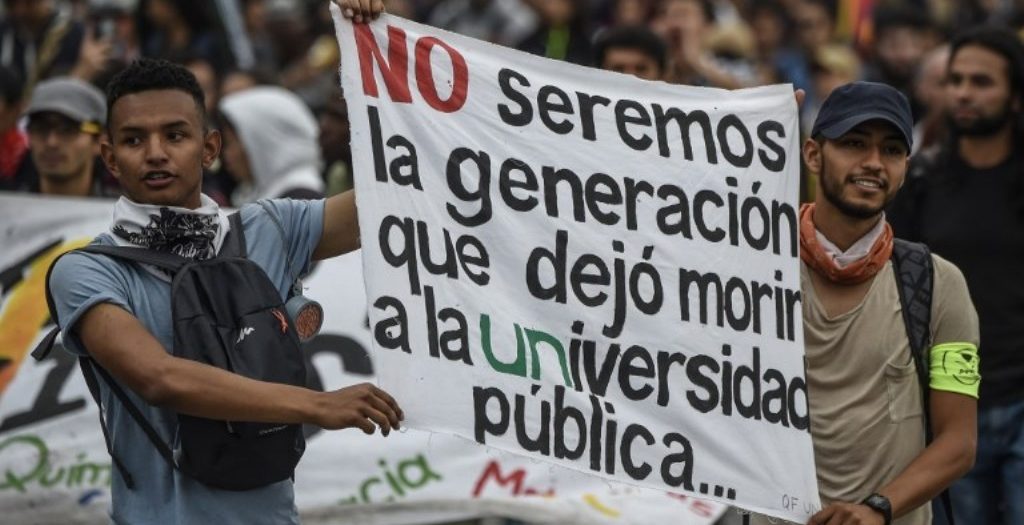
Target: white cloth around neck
(857,250)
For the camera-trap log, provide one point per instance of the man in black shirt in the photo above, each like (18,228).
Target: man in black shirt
(965,199)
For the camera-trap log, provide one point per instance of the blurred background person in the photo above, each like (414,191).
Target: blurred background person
(778,59)
(815,22)
(830,67)
(902,36)
(633,50)
(335,147)
(505,22)
(178,29)
(929,90)
(236,80)
(631,12)
(113,26)
(686,26)
(254,17)
(311,74)
(270,145)
(564,31)
(65,123)
(39,41)
(13,142)
(965,199)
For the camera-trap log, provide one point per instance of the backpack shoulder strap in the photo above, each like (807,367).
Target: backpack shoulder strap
(234,241)
(915,280)
(94,391)
(912,264)
(90,370)
(167,261)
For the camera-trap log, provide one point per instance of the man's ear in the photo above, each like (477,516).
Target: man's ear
(211,147)
(107,154)
(812,156)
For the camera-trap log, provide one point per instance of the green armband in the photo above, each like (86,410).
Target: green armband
(954,368)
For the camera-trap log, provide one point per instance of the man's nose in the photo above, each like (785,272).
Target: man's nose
(155,151)
(873,160)
(958,91)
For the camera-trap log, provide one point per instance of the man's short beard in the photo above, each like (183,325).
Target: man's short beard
(984,126)
(834,196)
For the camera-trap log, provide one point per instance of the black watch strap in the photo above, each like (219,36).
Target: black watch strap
(881,505)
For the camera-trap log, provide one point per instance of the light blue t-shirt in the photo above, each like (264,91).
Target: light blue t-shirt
(163,495)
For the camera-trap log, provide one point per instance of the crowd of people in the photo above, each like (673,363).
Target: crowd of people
(815,45)
(942,105)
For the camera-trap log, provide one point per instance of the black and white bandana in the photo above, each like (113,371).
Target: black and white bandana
(194,234)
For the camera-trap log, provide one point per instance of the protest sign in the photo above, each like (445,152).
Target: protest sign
(54,467)
(582,267)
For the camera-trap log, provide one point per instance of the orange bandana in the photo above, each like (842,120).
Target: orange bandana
(814,254)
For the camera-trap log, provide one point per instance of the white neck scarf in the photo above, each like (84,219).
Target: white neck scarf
(194,234)
(857,250)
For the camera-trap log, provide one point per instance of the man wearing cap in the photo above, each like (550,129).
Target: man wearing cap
(864,396)
(65,119)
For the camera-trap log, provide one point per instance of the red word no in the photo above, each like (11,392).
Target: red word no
(395,69)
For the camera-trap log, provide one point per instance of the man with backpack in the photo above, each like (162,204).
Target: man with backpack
(178,316)
(890,332)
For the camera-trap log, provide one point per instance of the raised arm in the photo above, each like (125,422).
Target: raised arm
(341,227)
(136,359)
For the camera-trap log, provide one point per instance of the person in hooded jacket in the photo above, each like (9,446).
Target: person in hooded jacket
(270,145)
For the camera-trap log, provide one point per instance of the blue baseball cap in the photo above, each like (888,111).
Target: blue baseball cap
(852,104)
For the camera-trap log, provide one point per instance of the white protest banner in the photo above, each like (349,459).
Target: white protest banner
(54,467)
(582,267)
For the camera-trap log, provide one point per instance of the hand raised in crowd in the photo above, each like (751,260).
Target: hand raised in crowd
(360,10)
(93,56)
(364,406)
(846,514)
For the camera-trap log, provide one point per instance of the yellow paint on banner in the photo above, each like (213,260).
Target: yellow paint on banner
(26,312)
(600,507)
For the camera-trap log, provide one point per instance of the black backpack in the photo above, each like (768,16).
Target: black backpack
(912,264)
(226,313)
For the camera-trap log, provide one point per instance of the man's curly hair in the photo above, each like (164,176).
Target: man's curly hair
(147,74)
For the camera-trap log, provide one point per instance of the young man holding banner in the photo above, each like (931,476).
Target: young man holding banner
(867,413)
(119,313)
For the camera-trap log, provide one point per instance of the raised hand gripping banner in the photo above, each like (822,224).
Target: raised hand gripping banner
(581,267)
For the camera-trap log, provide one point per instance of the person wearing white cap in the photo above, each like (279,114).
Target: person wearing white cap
(65,120)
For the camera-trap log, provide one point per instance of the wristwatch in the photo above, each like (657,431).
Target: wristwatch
(881,505)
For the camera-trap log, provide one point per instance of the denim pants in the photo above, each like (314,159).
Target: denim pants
(992,493)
